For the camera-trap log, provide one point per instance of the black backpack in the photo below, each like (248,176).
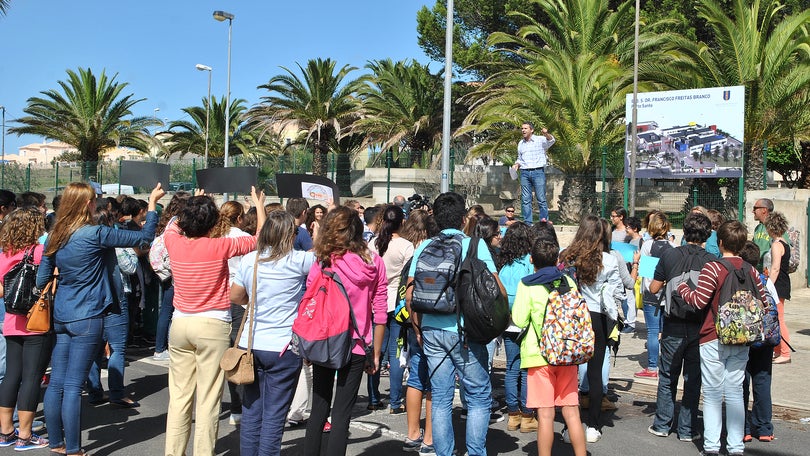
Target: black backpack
(691,260)
(480,301)
(435,275)
(19,284)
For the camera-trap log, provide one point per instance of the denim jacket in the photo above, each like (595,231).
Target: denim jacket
(87,264)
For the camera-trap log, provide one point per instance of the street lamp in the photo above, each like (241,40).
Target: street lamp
(3,163)
(207,68)
(222,16)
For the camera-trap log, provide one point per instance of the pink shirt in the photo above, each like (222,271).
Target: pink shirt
(200,269)
(14,325)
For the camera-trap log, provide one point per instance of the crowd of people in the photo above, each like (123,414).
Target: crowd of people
(214,262)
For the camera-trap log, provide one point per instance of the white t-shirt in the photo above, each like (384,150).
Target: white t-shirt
(399,251)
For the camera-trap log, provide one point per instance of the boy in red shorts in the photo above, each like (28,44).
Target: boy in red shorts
(548,386)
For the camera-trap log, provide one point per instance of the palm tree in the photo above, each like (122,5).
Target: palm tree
(345,148)
(320,102)
(4,5)
(188,136)
(402,107)
(757,46)
(576,70)
(90,114)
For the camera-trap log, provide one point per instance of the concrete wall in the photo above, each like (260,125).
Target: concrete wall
(792,203)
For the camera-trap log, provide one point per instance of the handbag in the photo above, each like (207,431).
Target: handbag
(19,283)
(238,362)
(39,317)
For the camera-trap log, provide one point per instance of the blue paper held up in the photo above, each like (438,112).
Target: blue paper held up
(646,266)
(627,250)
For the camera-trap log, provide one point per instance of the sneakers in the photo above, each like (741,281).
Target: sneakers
(236,418)
(8,439)
(495,418)
(161,356)
(653,431)
(412,445)
(646,373)
(31,443)
(428,449)
(564,436)
(592,435)
(690,438)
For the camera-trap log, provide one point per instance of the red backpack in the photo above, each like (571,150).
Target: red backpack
(325,330)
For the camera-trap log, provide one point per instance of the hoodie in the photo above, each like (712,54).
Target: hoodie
(366,286)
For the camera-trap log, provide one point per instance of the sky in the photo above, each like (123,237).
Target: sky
(154,45)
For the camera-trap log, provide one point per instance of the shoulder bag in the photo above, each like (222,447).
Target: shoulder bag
(238,362)
(19,283)
(40,316)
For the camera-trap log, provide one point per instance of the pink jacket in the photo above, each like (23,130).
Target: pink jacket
(366,286)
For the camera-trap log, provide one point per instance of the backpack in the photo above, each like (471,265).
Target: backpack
(19,283)
(691,261)
(740,311)
(159,259)
(770,322)
(401,314)
(324,331)
(566,337)
(435,275)
(657,250)
(484,308)
(795,250)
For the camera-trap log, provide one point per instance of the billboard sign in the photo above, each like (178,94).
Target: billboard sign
(687,133)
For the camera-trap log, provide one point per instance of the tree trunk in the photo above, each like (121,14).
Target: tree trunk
(754,167)
(578,198)
(343,175)
(804,165)
(319,152)
(89,164)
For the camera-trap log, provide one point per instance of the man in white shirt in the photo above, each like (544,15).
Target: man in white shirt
(532,157)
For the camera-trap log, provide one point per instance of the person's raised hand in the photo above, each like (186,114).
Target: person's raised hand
(258,199)
(157,193)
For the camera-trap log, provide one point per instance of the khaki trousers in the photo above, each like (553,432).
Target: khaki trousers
(196,345)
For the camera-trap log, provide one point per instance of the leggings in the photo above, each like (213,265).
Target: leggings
(20,386)
(595,370)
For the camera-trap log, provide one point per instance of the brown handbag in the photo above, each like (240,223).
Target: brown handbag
(39,317)
(238,362)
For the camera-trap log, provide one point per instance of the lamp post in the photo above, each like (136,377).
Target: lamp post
(3,163)
(634,118)
(207,68)
(221,16)
(448,84)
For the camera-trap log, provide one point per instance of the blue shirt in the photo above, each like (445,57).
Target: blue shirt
(87,264)
(303,241)
(449,322)
(280,287)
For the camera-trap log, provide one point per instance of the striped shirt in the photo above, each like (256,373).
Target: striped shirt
(200,269)
(532,153)
(707,292)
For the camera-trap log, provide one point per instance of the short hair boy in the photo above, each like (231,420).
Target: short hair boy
(548,386)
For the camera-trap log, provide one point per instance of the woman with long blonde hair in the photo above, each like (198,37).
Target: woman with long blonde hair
(85,256)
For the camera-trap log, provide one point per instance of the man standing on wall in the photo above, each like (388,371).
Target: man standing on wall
(532,157)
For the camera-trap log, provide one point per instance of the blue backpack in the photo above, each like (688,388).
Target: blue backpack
(434,278)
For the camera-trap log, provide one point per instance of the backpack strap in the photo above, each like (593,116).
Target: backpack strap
(472,252)
(249,311)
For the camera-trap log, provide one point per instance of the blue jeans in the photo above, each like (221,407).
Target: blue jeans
(417,363)
(534,180)
(395,372)
(164,319)
(678,354)
(722,368)
(515,378)
(447,357)
(265,402)
(758,375)
(373,381)
(653,323)
(115,333)
(582,374)
(77,344)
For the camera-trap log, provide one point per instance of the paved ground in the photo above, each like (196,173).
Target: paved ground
(113,431)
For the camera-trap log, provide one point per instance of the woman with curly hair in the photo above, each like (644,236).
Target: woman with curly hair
(777,226)
(597,272)
(20,387)
(83,254)
(314,220)
(514,263)
(201,324)
(340,247)
(176,204)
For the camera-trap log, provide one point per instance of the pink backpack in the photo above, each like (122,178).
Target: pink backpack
(159,259)
(325,330)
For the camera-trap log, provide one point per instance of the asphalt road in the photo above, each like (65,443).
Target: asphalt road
(113,431)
